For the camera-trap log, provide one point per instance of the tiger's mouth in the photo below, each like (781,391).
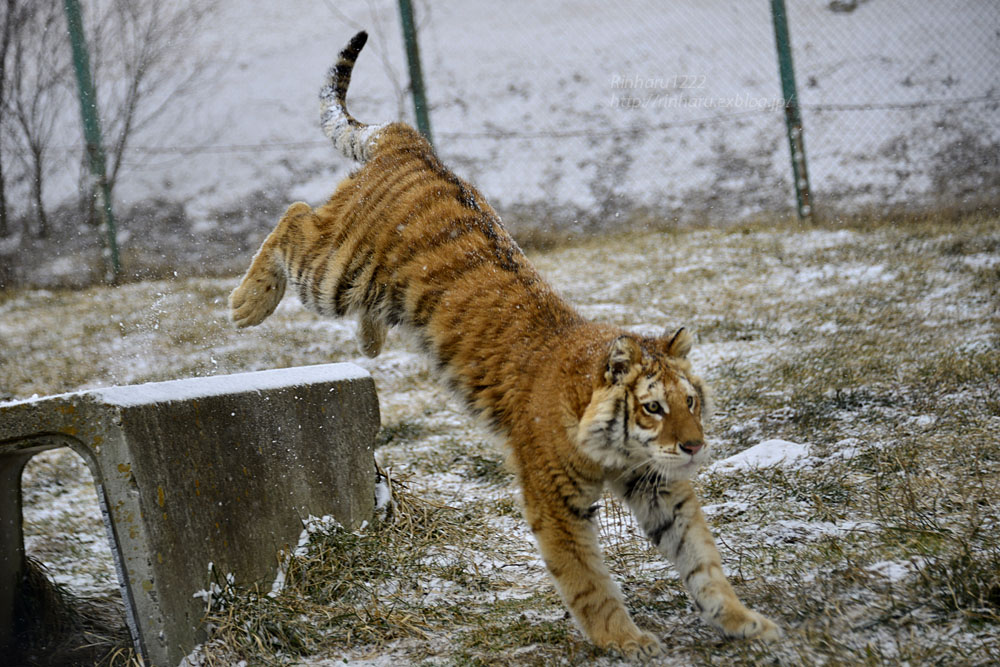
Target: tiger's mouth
(692,457)
(679,463)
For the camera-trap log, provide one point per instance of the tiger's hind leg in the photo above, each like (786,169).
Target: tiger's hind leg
(262,287)
(371,334)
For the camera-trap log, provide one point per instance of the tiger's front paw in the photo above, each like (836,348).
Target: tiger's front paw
(639,646)
(742,623)
(256,297)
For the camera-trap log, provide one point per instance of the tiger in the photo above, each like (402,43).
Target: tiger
(582,406)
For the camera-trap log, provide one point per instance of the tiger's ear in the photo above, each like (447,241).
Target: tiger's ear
(623,354)
(680,344)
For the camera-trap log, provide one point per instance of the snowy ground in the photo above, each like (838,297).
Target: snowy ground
(855,490)
(570,116)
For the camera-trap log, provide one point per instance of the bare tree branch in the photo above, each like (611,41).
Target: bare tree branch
(141,67)
(37,91)
(8,23)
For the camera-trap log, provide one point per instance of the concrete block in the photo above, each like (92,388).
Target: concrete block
(217,470)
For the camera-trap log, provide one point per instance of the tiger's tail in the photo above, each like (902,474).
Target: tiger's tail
(351,137)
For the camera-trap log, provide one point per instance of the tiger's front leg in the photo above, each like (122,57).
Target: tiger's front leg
(566,536)
(670,515)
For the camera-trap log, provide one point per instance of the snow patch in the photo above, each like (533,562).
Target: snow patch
(794,530)
(214,589)
(215,385)
(218,385)
(770,453)
(728,508)
(383,494)
(892,570)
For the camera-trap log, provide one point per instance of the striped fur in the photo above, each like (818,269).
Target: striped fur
(405,242)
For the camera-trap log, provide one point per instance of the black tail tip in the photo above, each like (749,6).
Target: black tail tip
(357,43)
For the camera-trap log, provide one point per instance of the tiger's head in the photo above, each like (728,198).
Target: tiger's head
(646,409)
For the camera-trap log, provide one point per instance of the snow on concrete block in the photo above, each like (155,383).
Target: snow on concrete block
(220,470)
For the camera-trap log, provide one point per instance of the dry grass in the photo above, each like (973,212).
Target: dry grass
(55,627)
(875,342)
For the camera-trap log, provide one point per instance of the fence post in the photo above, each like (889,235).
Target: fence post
(416,75)
(793,119)
(92,131)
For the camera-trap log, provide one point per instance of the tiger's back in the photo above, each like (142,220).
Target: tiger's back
(403,241)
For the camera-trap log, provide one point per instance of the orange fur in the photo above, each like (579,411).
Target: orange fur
(405,242)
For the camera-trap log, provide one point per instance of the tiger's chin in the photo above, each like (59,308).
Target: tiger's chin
(664,466)
(676,467)
(680,470)
(657,469)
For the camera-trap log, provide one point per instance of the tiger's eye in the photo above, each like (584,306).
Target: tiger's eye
(690,402)
(652,408)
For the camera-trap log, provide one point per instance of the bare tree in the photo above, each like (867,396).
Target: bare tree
(7,23)
(37,96)
(142,67)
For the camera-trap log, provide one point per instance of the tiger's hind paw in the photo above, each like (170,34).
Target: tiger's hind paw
(371,335)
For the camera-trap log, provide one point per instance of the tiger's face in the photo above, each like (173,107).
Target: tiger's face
(646,409)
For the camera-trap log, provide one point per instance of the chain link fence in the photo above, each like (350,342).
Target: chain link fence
(676,110)
(571,116)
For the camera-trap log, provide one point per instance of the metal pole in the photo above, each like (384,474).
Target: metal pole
(92,131)
(416,75)
(793,119)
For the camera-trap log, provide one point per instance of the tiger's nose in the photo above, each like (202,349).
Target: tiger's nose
(692,446)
